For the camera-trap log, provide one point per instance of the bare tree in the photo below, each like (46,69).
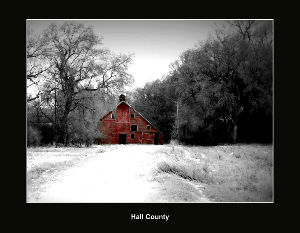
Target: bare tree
(76,64)
(35,61)
(244,28)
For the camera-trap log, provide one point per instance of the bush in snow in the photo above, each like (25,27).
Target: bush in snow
(83,131)
(33,136)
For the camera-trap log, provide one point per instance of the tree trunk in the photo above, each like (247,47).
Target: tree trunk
(65,128)
(65,119)
(235,134)
(69,91)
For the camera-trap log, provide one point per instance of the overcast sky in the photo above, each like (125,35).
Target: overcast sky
(154,43)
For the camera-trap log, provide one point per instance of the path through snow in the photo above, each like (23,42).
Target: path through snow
(116,173)
(119,175)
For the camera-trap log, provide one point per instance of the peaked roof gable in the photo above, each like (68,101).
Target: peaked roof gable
(135,111)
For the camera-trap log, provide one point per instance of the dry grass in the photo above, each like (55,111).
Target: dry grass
(174,190)
(234,173)
(46,169)
(40,175)
(188,171)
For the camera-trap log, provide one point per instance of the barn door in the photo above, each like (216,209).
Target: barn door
(122,138)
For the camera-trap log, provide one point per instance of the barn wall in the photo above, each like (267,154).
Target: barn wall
(111,128)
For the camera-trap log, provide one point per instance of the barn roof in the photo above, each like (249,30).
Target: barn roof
(135,111)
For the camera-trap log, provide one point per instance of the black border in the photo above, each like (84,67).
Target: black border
(212,216)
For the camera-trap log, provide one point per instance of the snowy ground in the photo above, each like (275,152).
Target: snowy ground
(114,173)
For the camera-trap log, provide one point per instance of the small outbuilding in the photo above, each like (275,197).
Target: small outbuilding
(125,125)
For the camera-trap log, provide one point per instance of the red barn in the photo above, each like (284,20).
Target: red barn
(124,125)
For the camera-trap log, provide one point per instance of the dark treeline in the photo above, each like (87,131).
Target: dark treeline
(217,92)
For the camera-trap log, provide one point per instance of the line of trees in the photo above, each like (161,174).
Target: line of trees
(75,80)
(217,92)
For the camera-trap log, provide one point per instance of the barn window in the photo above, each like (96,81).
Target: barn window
(148,127)
(133,127)
(132,135)
(131,115)
(112,116)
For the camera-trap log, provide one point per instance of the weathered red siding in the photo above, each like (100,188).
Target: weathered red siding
(112,127)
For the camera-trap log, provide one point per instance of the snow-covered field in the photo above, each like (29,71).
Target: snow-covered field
(149,173)
(116,173)
(112,173)
(37,156)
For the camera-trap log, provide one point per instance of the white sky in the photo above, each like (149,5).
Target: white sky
(154,43)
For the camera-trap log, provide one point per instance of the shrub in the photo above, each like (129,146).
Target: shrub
(83,132)
(33,136)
